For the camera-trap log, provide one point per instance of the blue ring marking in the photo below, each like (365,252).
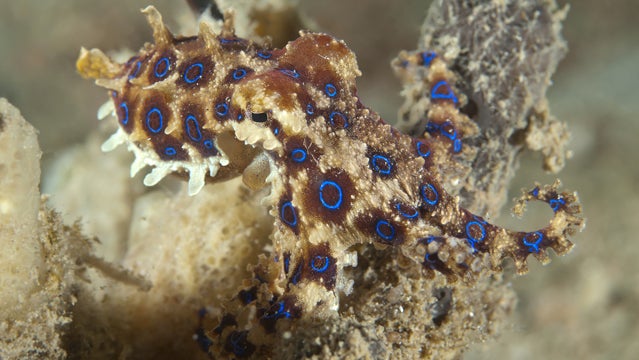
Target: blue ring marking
(298,155)
(419,150)
(428,57)
(481,228)
(374,162)
(292,73)
(430,187)
(533,246)
(428,259)
(208,144)
(134,74)
(398,206)
(555,204)
(124,106)
(222,109)
(442,130)
(276,131)
(330,90)
(431,127)
(189,123)
(331,118)
(457,145)
(449,95)
(535,192)
(264,54)
(288,222)
(196,77)
(160,122)
(240,117)
(287,263)
(324,267)
(224,41)
(167,64)
(170,151)
(239,73)
(281,313)
(310,109)
(380,233)
(333,184)
(298,273)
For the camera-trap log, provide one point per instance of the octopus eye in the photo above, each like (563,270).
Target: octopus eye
(259,117)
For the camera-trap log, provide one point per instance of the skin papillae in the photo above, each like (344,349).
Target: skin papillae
(214,106)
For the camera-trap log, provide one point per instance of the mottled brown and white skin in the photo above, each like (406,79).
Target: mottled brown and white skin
(215,106)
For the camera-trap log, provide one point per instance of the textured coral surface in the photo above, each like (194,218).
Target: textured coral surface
(589,295)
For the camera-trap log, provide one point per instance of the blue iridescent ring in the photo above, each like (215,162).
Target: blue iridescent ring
(166,63)
(138,65)
(239,73)
(310,109)
(340,196)
(298,155)
(533,246)
(482,229)
(330,90)
(170,151)
(125,118)
(290,222)
(325,262)
(191,125)
(198,74)
(222,109)
(157,129)
(405,214)
(208,144)
(381,164)
(428,57)
(334,114)
(384,235)
(555,204)
(448,95)
(420,151)
(264,54)
(429,187)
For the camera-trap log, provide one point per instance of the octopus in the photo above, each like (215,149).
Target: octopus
(215,106)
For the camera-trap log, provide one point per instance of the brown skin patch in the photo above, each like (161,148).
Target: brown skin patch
(169,148)
(320,266)
(192,118)
(154,115)
(301,153)
(124,111)
(195,73)
(283,84)
(381,164)
(328,196)
(238,74)
(161,66)
(379,226)
(288,214)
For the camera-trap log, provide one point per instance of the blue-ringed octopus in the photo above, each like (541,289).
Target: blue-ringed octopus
(215,106)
